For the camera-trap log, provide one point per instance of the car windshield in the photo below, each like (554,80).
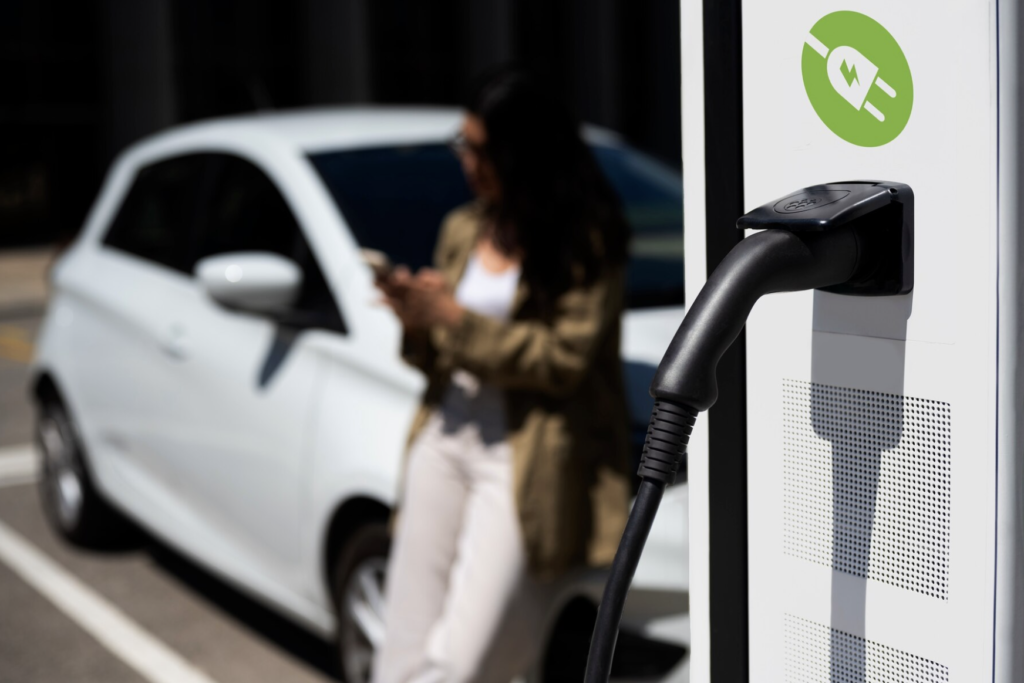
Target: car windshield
(394,198)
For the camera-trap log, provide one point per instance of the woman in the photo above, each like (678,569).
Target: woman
(517,466)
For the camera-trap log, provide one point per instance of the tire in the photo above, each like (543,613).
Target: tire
(357,586)
(73,506)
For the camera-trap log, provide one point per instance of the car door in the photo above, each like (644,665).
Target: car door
(248,384)
(126,291)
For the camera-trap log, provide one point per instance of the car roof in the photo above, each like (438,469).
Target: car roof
(336,128)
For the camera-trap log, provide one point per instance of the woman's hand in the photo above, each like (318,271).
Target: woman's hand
(421,301)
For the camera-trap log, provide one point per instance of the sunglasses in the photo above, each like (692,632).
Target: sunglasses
(461,146)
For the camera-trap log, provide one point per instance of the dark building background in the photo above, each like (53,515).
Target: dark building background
(82,79)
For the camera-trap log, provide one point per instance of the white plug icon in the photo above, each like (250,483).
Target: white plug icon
(852,75)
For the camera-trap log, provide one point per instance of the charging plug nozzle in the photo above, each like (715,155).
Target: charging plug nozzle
(851,238)
(775,260)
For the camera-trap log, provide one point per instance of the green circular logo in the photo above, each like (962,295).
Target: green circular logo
(857,79)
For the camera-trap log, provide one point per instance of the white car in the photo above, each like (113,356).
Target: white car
(215,365)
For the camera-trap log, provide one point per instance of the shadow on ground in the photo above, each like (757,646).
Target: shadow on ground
(275,630)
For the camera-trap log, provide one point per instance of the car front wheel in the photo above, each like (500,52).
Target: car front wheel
(359,600)
(72,504)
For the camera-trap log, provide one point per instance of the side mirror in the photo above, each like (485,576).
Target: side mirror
(254,281)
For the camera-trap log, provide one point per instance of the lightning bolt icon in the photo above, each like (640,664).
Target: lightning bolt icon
(849,73)
(841,66)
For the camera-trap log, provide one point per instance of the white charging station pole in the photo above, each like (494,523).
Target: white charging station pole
(878,532)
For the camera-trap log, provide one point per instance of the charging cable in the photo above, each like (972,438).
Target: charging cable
(852,238)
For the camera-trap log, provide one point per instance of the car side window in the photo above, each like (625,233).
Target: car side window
(156,217)
(246,212)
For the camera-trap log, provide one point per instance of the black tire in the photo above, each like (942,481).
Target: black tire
(357,584)
(73,506)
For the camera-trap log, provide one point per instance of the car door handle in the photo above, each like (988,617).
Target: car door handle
(174,342)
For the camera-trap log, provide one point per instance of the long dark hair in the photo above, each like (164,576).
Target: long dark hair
(556,206)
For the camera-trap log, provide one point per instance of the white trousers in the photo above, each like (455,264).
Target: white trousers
(460,605)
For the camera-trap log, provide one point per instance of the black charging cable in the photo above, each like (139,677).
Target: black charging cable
(853,238)
(774,260)
(664,450)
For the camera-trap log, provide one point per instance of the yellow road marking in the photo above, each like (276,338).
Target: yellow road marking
(14,344)
(13,331)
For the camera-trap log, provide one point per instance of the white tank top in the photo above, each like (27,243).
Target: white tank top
(487,293)
(468,399)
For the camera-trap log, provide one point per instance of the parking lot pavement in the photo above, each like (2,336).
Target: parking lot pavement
(218,632)
(23,294)
(16,339)
(23,279)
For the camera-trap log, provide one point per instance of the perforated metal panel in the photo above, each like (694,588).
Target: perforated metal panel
(867,484)
(816,653)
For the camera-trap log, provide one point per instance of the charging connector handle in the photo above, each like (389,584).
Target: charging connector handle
(774,260)
(665,445)
(854,238)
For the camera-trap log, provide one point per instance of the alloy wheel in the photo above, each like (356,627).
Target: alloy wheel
(361,618)
(62,471)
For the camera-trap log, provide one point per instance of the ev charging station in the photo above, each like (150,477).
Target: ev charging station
(857,491)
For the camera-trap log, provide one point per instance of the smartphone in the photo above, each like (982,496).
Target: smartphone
(378,262)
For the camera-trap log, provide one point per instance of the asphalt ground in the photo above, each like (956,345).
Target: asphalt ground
(16,337)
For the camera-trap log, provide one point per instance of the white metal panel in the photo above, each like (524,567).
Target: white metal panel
(937,343)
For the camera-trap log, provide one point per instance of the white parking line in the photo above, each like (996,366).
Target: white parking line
(128,641)
(18,465)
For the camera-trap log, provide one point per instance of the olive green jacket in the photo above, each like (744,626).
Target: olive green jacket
(561,373)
